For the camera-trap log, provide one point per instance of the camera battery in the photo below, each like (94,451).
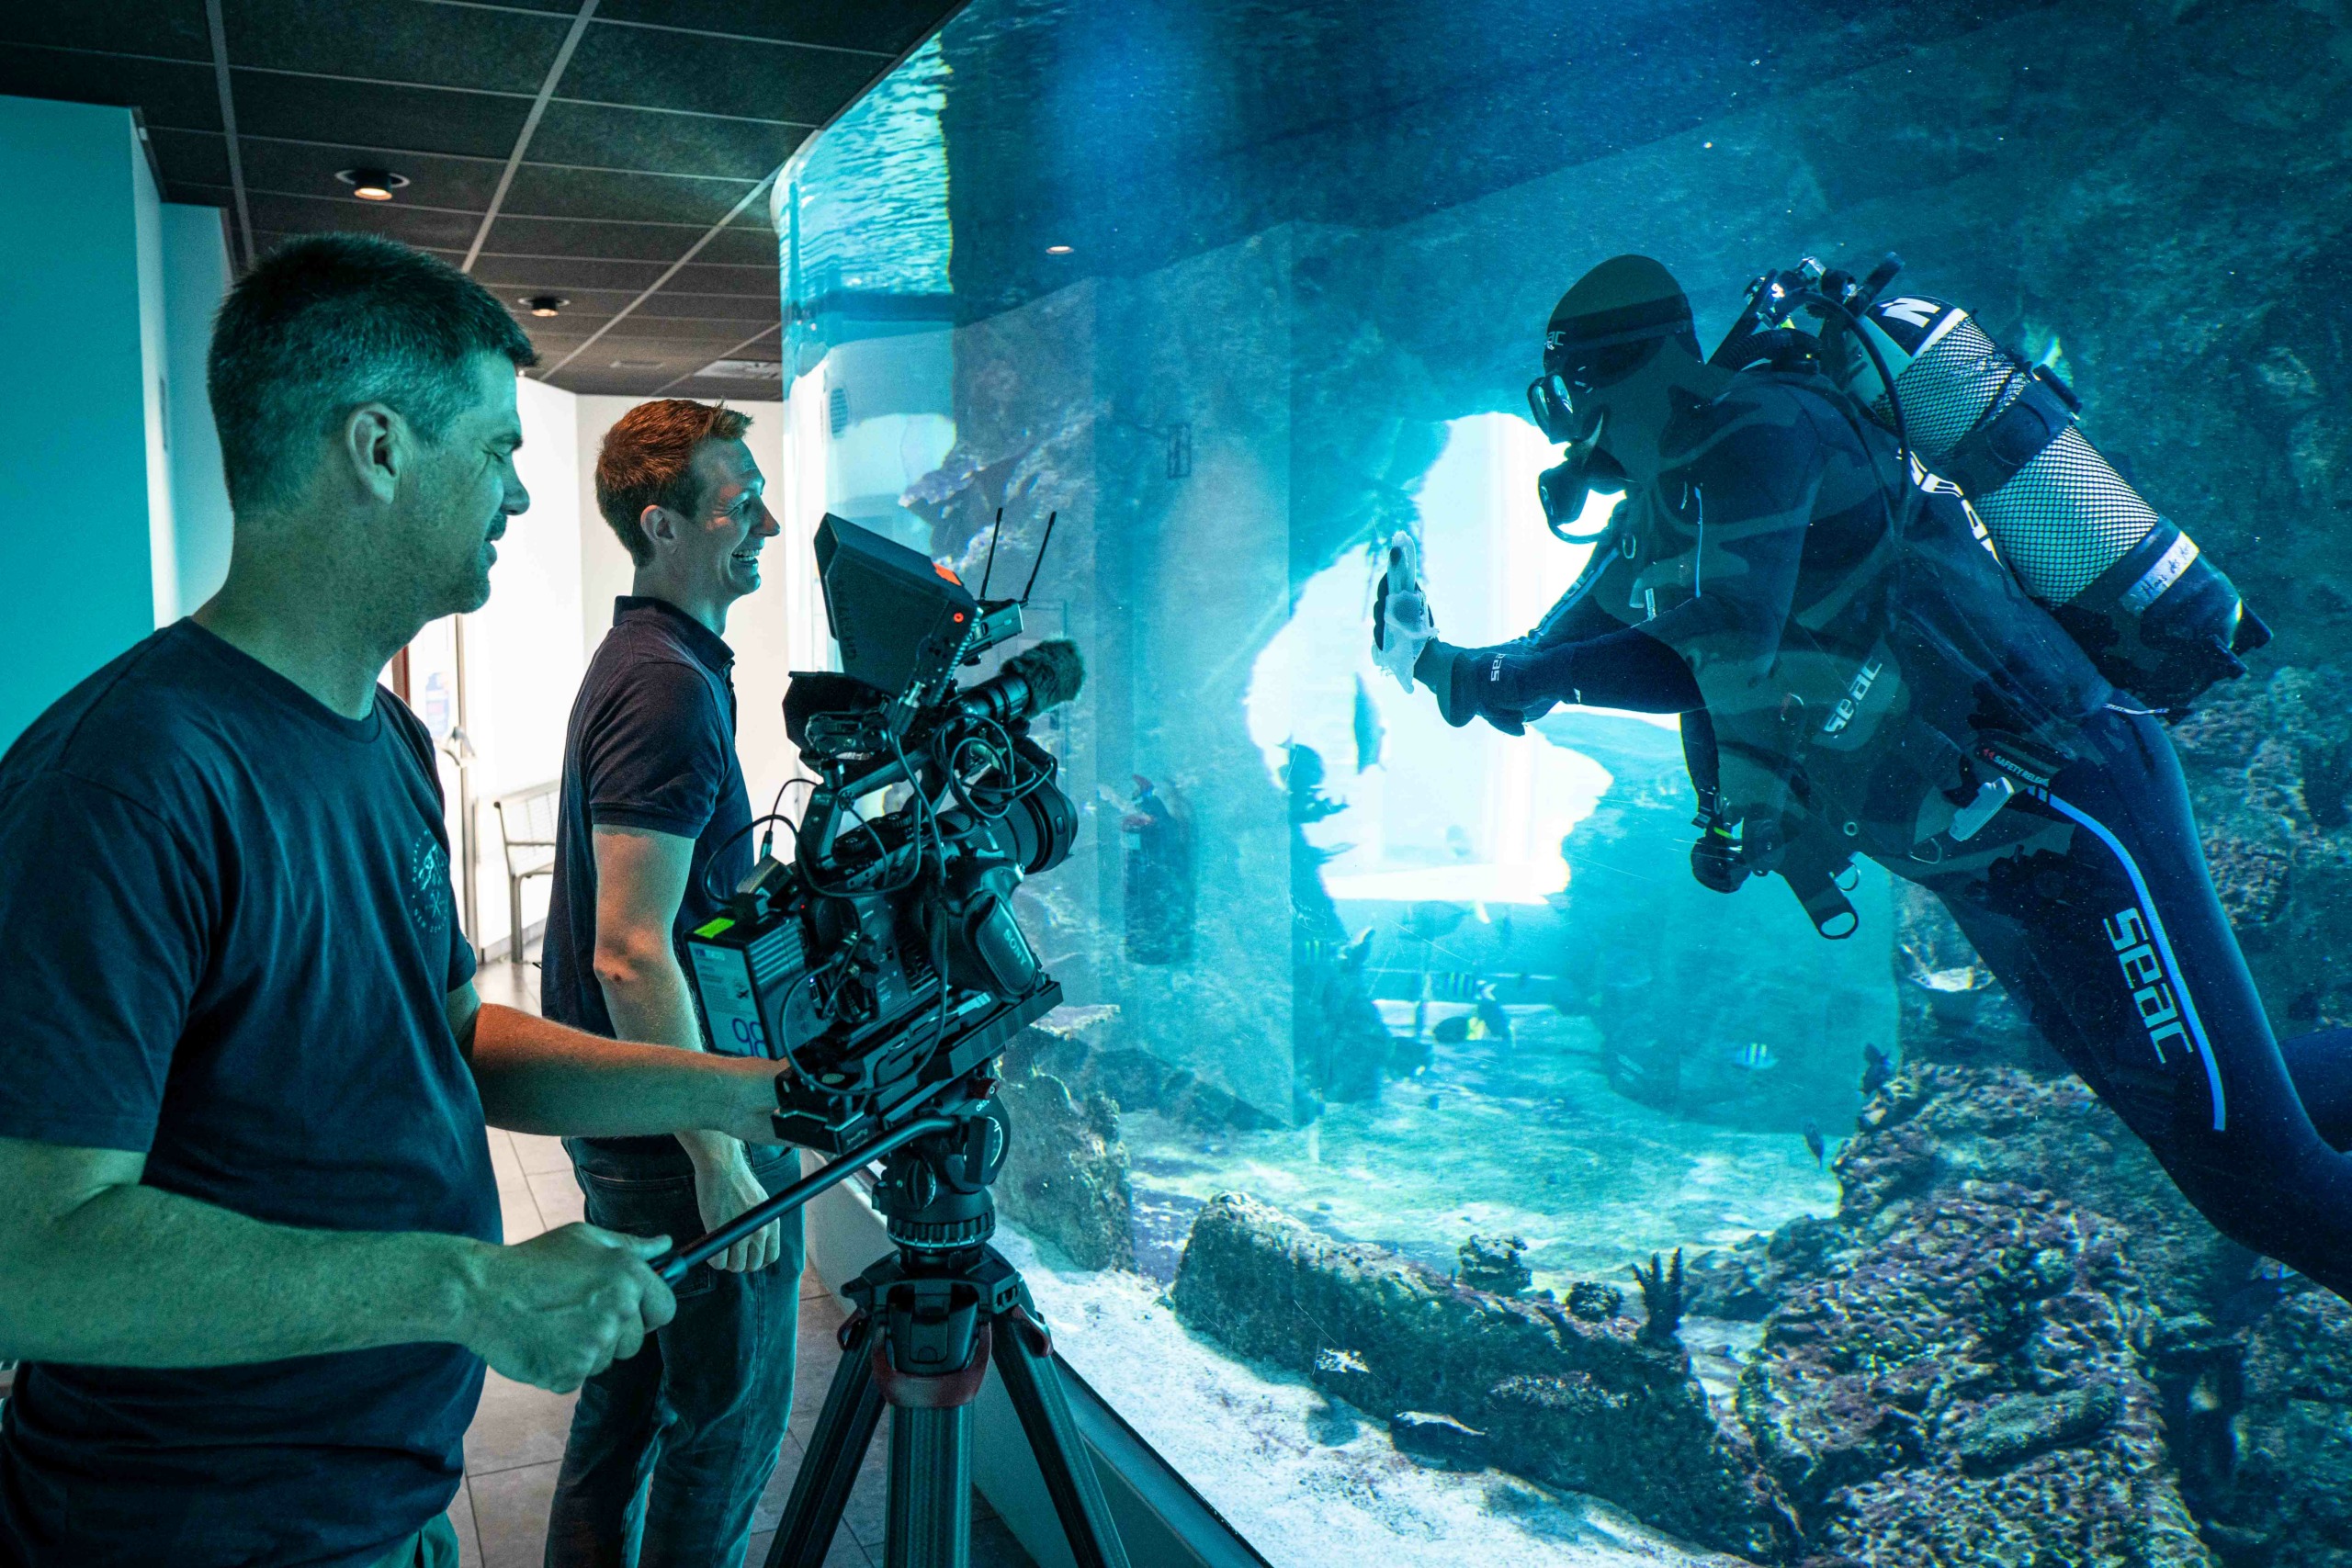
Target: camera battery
(744,976)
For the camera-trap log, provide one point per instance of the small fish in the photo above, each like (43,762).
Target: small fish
(1503,933)
(1357,956)
(2250,1302)
(1429,921)
(1339,1362)
(1754,1058)
(1878,1069)
(1459,987)
(1814,1145)
(1370,733)
(1490,1018)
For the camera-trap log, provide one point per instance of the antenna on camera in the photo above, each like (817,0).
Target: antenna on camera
(1040,561)
(989,570)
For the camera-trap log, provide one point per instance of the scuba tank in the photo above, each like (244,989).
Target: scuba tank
(2156,616)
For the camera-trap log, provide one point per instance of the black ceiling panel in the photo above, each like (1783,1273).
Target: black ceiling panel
(171,28)
(743,247)
(561,275)
(709,75)
(602,136)
(889,27)
(301,169)
(591,193)
(194,157)
(669,112)
(167,93)
(317,108)
(413,225)
(445,46)
(570,237)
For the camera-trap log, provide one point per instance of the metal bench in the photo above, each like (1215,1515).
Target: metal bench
(527,827)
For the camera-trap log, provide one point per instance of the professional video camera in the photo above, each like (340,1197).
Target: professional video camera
(884,962)
(884,967)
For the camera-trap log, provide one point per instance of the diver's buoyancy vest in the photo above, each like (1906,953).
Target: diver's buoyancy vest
(2156,616)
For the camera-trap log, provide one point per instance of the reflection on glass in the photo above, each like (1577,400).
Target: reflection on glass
(1393,1048)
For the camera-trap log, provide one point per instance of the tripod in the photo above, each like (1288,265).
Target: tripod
(930,1318)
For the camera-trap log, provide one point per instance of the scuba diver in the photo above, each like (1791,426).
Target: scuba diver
(1860,672)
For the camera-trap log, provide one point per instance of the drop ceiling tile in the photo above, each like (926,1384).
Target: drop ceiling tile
(747,311)
(301,169)
(561,275)
(192,157)
(175,95)
(294,215)
(886,26)
(600,135)
(702,276)
(564,237)
(659,198)
(450,46)
(741,246)
(685,71)
(377,114)
(173,29)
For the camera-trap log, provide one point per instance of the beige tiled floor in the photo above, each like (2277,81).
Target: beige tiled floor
(516,1440)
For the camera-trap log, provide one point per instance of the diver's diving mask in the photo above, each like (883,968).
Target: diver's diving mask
(1567,408)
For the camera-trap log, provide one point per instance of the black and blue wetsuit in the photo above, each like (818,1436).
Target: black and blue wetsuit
(1864,697)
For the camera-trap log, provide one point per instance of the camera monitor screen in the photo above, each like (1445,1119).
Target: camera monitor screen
(899,618)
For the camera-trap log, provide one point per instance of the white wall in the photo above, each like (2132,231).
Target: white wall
(196,275)
(75,459)
(523,655)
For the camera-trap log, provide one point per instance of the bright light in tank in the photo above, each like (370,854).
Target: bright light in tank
(1469,816)
(1058,250)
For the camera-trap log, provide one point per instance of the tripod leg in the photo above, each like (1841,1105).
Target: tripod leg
(845,1431)
(931,1488)
(1036,1392)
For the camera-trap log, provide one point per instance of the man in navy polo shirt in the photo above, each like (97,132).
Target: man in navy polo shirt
(249,1242)
(673,1446)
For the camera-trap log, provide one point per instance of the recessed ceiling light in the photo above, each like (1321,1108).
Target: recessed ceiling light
(637,363)
(543,304)
(371,185)
(1058,250)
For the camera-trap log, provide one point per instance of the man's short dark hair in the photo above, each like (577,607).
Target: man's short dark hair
(648,461)
(327,323)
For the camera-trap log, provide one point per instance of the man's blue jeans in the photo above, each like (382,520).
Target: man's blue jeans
(670,1450)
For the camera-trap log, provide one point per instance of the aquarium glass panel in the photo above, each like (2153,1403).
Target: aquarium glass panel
(1425,1155)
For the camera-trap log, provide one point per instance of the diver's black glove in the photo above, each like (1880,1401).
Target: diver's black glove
(1510,686)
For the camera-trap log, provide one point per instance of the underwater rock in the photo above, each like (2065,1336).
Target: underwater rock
(1593,1302)
(1967,1389)
(1065,1176)
(1498,1264)
(1092,1054)
(2274,1484)
(1439,1439)
(2269,770)
(1935,1128)
(1580,1404)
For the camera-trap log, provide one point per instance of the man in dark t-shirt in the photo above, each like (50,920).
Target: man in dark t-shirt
(653,831)
(249,1235)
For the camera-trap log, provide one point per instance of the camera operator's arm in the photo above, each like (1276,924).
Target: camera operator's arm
(96,1268)
(640,881)
(539,1077)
